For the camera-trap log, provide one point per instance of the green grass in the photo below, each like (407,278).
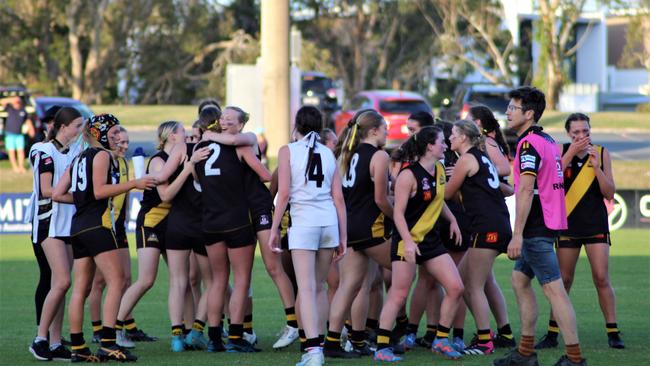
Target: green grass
(602,120)
(629,270)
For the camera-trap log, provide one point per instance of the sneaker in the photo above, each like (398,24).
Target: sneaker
(547,342)
(564,361)
(344,335)
(514,358)
(66,342)
(500,341)
(115,353)
(196,340)
(289,335)
(479,349)
(60,353)
(363,350)
(140,336)
(250,338)
(458,344)
(215,347)
(224,332)
(123,339)
(614,340)
(339,352)
(84,355)
(424,342)
(177,343)
(97,337)
(398,349)
(386,355)
(312,359)
(240,346)
(409,341)
(371,336)
(347,347)
(41,350)
(442,347)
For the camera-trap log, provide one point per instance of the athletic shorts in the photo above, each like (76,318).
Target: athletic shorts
(284,242)
(14,141)
(428,250)
(450,243)
(92,242)
(538,259)
(65,239)
(237,238)
(177,238)
(577,242)
(365,244)
(492,240)
(150,237)
(313,237)
(41,234)
(122,241)
(262,221)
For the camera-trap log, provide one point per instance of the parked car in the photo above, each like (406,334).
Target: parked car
(494,97)
(396,106)
(318,90)
(42,104)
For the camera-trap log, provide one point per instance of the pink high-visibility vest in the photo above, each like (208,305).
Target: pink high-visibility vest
(550,179)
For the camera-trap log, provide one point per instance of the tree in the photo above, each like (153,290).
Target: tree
(637,48)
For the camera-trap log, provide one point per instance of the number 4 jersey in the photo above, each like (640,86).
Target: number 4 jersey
(91,213)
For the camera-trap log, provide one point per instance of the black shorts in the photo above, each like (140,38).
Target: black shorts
(262,221)
(122,241)
(365,244)
(91,242)
(150,237)
(492,240)
(577,242)
(284,242)
(450,243)
(238,238)
(178,238)
(41,235)
(428,250)
(65,239)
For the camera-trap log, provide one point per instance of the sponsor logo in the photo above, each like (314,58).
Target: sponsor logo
(152,237)
(425,184)
(530,158)
(426,195)
(492,237)
(264,220)
(557,186)
(47,160)
(527,165)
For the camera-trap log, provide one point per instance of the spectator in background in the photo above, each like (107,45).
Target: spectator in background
(13,132)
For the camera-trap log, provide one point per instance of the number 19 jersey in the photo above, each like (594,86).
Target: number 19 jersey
(310,195)
(91,213)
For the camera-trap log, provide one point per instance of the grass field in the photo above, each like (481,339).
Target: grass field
(629,268)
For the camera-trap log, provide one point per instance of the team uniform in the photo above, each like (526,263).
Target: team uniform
(120,204)
(151,224)
(586,211)
(259,199)
(92,228)
(485,206)
(225,211)
(314,223)
(184,231)
(422,213)
(461,218)
(369,225)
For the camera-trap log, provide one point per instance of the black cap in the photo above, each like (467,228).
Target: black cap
(50,113)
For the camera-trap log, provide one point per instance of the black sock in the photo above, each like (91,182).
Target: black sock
(235,332)
(302,338)
(77,341)
(411,328)
(248,324)
(484,335)
(186,331)
(401,322)
(292,321)
(108,337)
(553,329)
(214,333)
(383,338)
(358,338)
(430,335)
(119,324)
(612,328)
(198,325)
(505,331)
(321,339)
(458,332)
(311,342)
(97,326)
(442,332)
(130,326)
(333,340)
(177,330)
(372,324)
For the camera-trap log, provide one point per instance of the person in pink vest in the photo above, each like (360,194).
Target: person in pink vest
(540,215)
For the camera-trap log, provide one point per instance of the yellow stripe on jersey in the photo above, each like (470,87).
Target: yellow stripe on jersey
(284,223)
(156,214)
(430,215)
(581,184)
(107,220)
(118,201)
(377,228)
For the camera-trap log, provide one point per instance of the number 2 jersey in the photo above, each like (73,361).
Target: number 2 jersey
(91,213)
(221,176)
(483,200)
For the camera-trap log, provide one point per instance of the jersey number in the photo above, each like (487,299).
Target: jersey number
(348,180)
(315,173)
(79,178)
(493,180)
(209,170)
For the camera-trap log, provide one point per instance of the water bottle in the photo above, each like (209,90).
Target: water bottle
(138,162)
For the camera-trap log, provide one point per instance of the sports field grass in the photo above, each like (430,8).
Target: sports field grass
(629,268)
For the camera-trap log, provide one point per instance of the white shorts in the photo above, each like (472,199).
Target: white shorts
(313,237)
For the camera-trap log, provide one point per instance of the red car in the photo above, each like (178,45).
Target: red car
(396,106)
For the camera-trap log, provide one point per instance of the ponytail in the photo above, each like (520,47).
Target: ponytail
(470,129)
(489,124)
(416,145)
(358,128)
(164,130)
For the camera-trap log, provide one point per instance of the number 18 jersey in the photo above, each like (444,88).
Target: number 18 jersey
(310,195)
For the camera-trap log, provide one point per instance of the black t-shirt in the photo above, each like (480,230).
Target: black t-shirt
(529,163)
(15,119)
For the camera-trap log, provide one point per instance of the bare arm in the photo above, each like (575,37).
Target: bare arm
(176,158)
(523,203)
(379,173)
(461,170)
(103,189)
(604,176)
(339,203)
(506,189)
(240,139)
(60,192)
(284,181)
(273,187)
(499,160)
(172,189)
(249,157)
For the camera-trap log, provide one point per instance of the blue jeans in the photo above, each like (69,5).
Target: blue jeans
(538,259)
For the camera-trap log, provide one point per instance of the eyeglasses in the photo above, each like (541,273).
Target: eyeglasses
(512,107)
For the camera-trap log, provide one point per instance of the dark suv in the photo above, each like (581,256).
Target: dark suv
(319,91)
(494,97)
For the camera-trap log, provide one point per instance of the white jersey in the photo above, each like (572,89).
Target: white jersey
(32,214)
(310,195)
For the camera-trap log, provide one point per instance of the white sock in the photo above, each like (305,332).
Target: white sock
(54,346)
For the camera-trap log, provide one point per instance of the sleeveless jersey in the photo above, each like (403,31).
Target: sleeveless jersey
(424,208)
(187,204)
(365,218)
(221,178)
(152,209)
(91,213)
(258,195)
(119,202)
(586,211)
(482,198)
(310,195)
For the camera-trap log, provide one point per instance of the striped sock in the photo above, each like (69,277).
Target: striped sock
(235,332)
(442,332)
(108,337)
(611,328)
(573,353)
(553,329)
(383,338)
(505,331)
(119,324)
(130,325)
(177,330)
(484,335)
(248,324)
(333,340)
(358,337)
(292,320)
(198,325)
(527,345)
(430,335)
(97,326)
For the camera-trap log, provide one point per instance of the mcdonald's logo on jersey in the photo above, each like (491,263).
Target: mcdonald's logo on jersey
(492,237)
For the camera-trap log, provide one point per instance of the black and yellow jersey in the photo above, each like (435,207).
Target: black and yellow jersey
(586,211)
(365,219)
(187,205)
(90,212)
(152,209)
(424,208)
(119,201)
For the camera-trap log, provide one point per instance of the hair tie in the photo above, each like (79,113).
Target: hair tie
(354,134)
(213,125)
(415,137)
